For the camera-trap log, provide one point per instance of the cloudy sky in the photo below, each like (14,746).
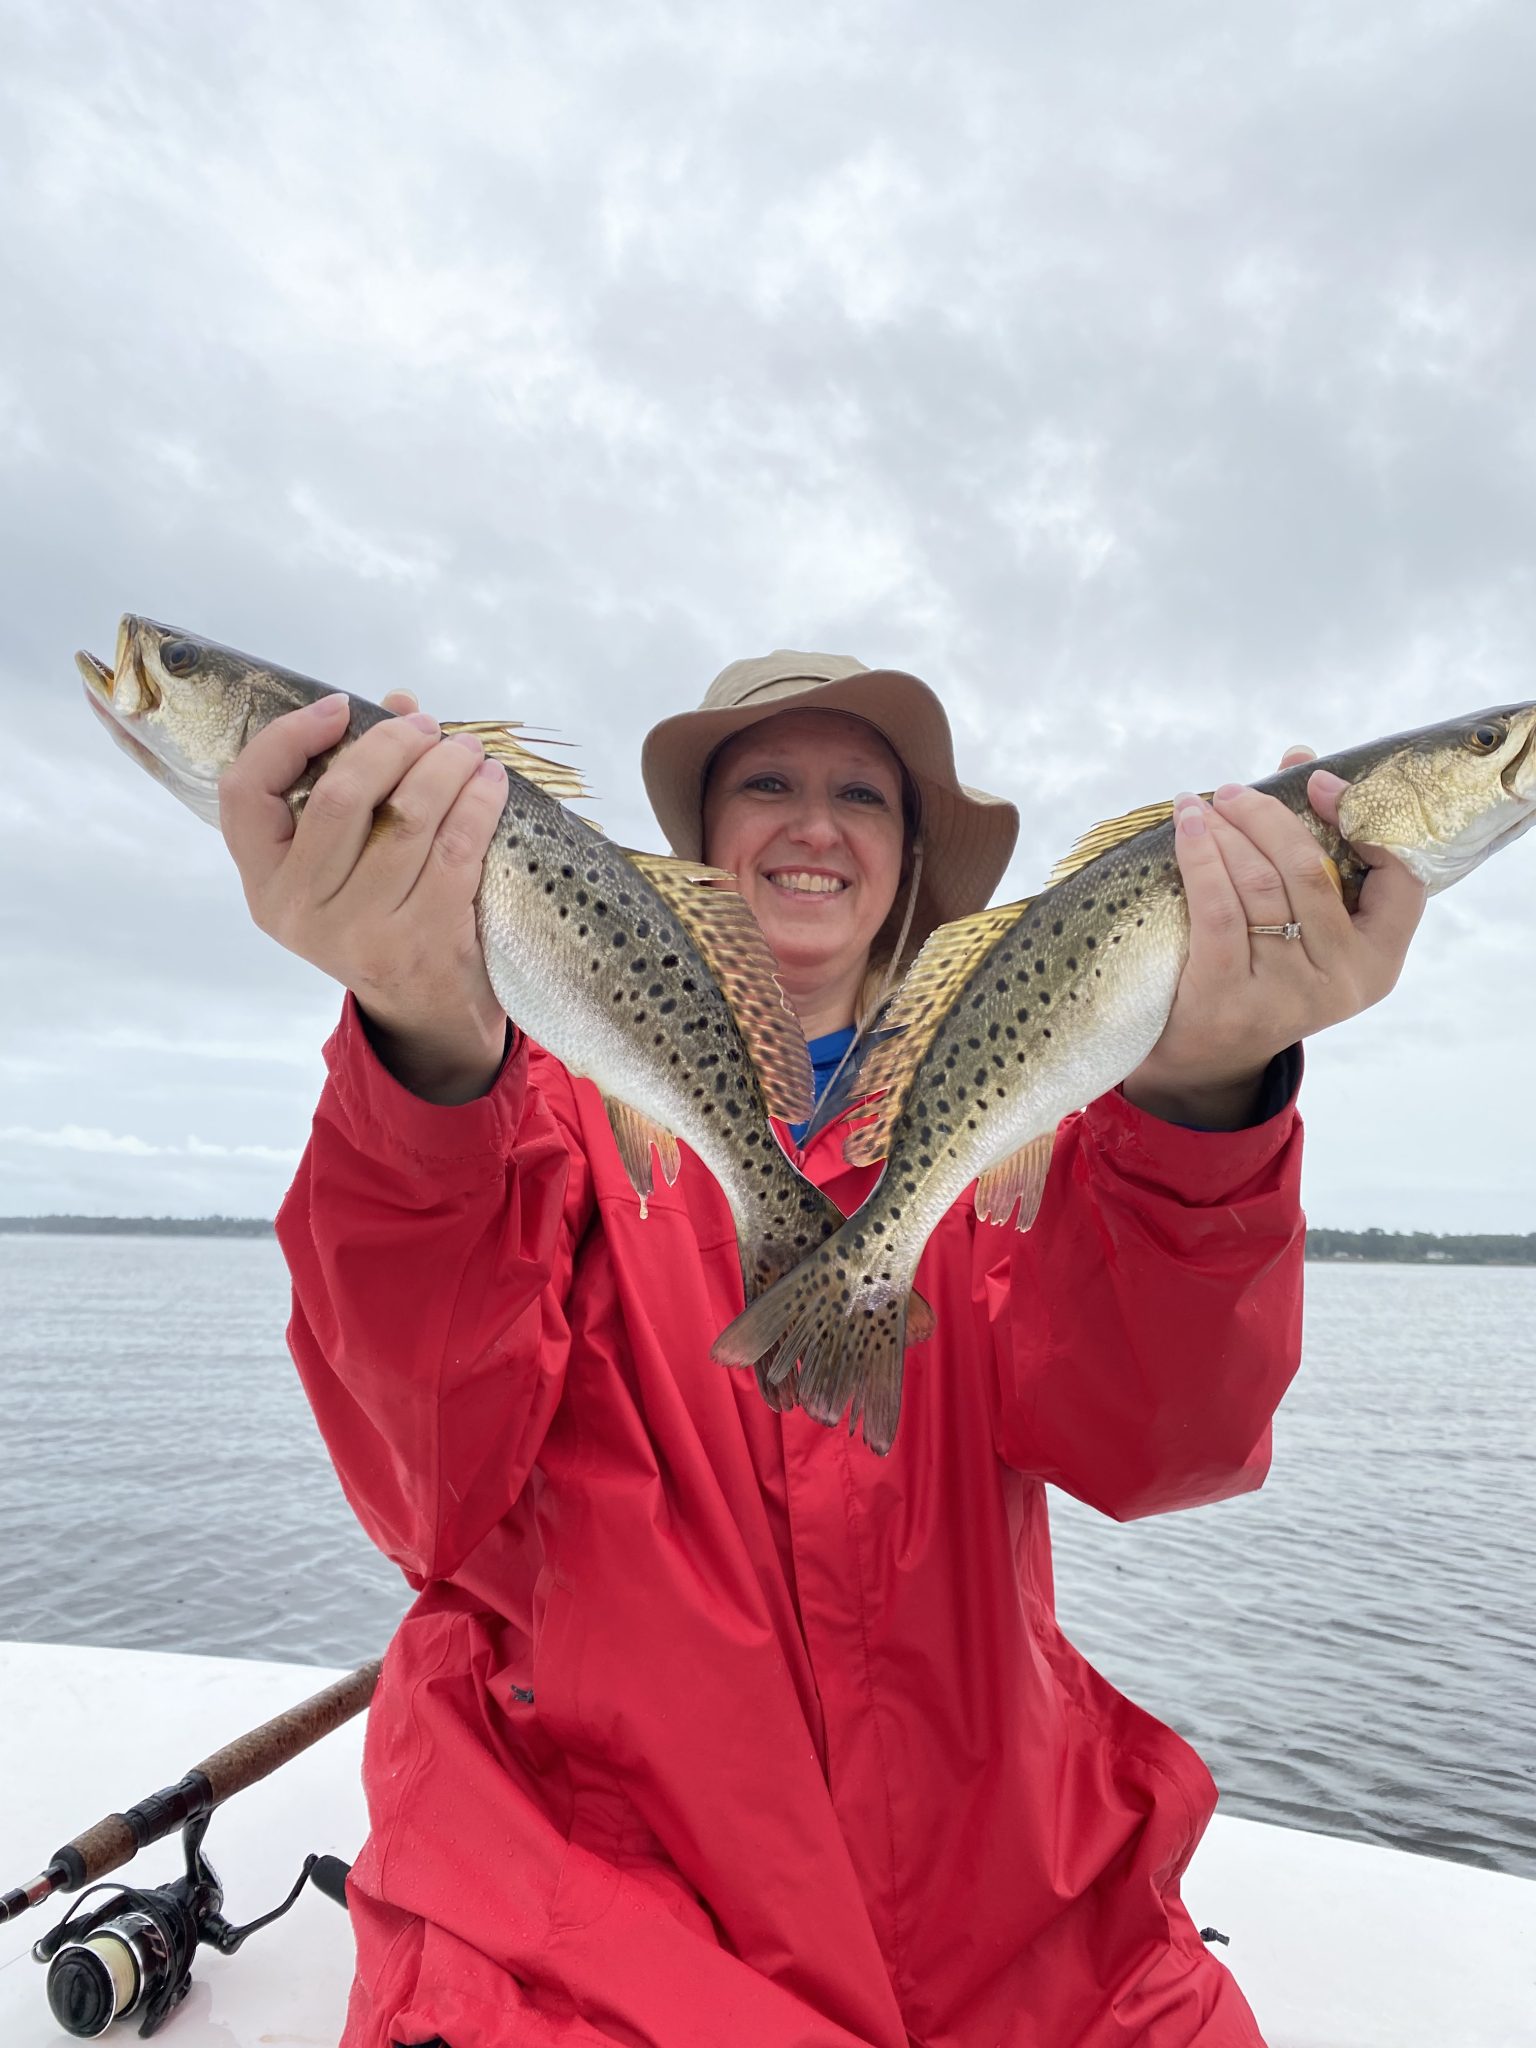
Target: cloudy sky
(1156,380)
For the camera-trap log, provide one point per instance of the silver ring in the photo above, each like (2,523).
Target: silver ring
(1275,931)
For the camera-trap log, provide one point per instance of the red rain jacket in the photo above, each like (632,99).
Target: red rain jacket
(709,1729)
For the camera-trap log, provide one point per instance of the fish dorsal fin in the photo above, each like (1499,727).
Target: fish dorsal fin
(1018,1178)
(1111,833)
(635,1133)
(500,744)
(947,961)
(727,934)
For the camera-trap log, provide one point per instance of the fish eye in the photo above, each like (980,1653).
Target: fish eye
(1485,738)
(178,657)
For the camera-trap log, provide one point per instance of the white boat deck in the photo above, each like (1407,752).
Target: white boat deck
(1337,1945)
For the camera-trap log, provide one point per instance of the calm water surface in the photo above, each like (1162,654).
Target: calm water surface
(1353,1649)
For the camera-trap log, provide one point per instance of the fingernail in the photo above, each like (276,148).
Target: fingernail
(466,739)
(491,771)
(1331,783)
(1192,820)
(422,720)
(1228,790)
(328,704)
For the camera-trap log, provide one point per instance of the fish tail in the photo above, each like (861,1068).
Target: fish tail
(802,1333)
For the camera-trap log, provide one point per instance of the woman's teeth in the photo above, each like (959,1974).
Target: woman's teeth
(808,885)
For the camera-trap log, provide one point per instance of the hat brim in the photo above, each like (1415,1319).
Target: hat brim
(968,836)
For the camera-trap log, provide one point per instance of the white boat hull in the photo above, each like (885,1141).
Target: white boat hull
(1336,1944)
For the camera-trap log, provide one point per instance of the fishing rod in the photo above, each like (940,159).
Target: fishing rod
(134,1951)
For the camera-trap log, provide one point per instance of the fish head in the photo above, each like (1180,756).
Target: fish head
(183,707)
(1443,799)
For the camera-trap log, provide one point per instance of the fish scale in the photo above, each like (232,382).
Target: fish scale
(1013,1018)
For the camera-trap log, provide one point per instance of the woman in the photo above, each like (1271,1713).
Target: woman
(707,1726)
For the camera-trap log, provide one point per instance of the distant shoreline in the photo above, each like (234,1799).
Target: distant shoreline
(1324,1247)
(135,1226)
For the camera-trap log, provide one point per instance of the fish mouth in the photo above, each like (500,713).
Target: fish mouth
(127,686)
(98,677)
(1519,776)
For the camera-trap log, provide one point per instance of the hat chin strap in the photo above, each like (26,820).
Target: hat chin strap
(891,965)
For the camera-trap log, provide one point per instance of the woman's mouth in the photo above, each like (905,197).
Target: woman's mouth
(805,882)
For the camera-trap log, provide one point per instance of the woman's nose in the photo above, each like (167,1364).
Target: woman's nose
(814,823)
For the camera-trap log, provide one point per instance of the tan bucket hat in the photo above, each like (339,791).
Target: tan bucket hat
(967,835)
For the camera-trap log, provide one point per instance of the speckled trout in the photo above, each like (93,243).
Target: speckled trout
(1011,1018)
(646,974)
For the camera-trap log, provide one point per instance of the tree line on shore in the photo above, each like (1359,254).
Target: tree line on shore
(1390,1247)
(1422,1247)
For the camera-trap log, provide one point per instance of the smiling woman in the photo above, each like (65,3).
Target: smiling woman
(707,1724)
(805,810)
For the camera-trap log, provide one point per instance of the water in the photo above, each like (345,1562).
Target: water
(1352,1650)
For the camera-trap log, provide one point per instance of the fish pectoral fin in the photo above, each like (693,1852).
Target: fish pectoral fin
(635,1133)
(720,924)
(501,744)
(1110,833)
(911,1021)
(1018,1178)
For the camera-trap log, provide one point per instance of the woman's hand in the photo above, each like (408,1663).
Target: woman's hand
(1246,859)
(380,898)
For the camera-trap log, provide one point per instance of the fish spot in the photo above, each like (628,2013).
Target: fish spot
(582,898)
(1056,927)
(564,911)
(1092,942)
(1045,1034)
(569,874)
(1072,961)
(669,959)
(669,1006)
(533,867)
(582,930)
(1044,999)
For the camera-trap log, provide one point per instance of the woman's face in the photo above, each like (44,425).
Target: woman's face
(805,810)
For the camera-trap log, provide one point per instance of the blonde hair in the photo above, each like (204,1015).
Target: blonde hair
(892,951)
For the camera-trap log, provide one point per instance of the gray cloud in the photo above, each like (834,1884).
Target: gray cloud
(1154,381)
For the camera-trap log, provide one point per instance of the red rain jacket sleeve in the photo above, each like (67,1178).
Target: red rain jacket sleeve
(1147,1325)
(431,1252)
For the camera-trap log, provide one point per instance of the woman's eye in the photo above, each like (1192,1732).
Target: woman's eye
(767,782)
(861,794)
